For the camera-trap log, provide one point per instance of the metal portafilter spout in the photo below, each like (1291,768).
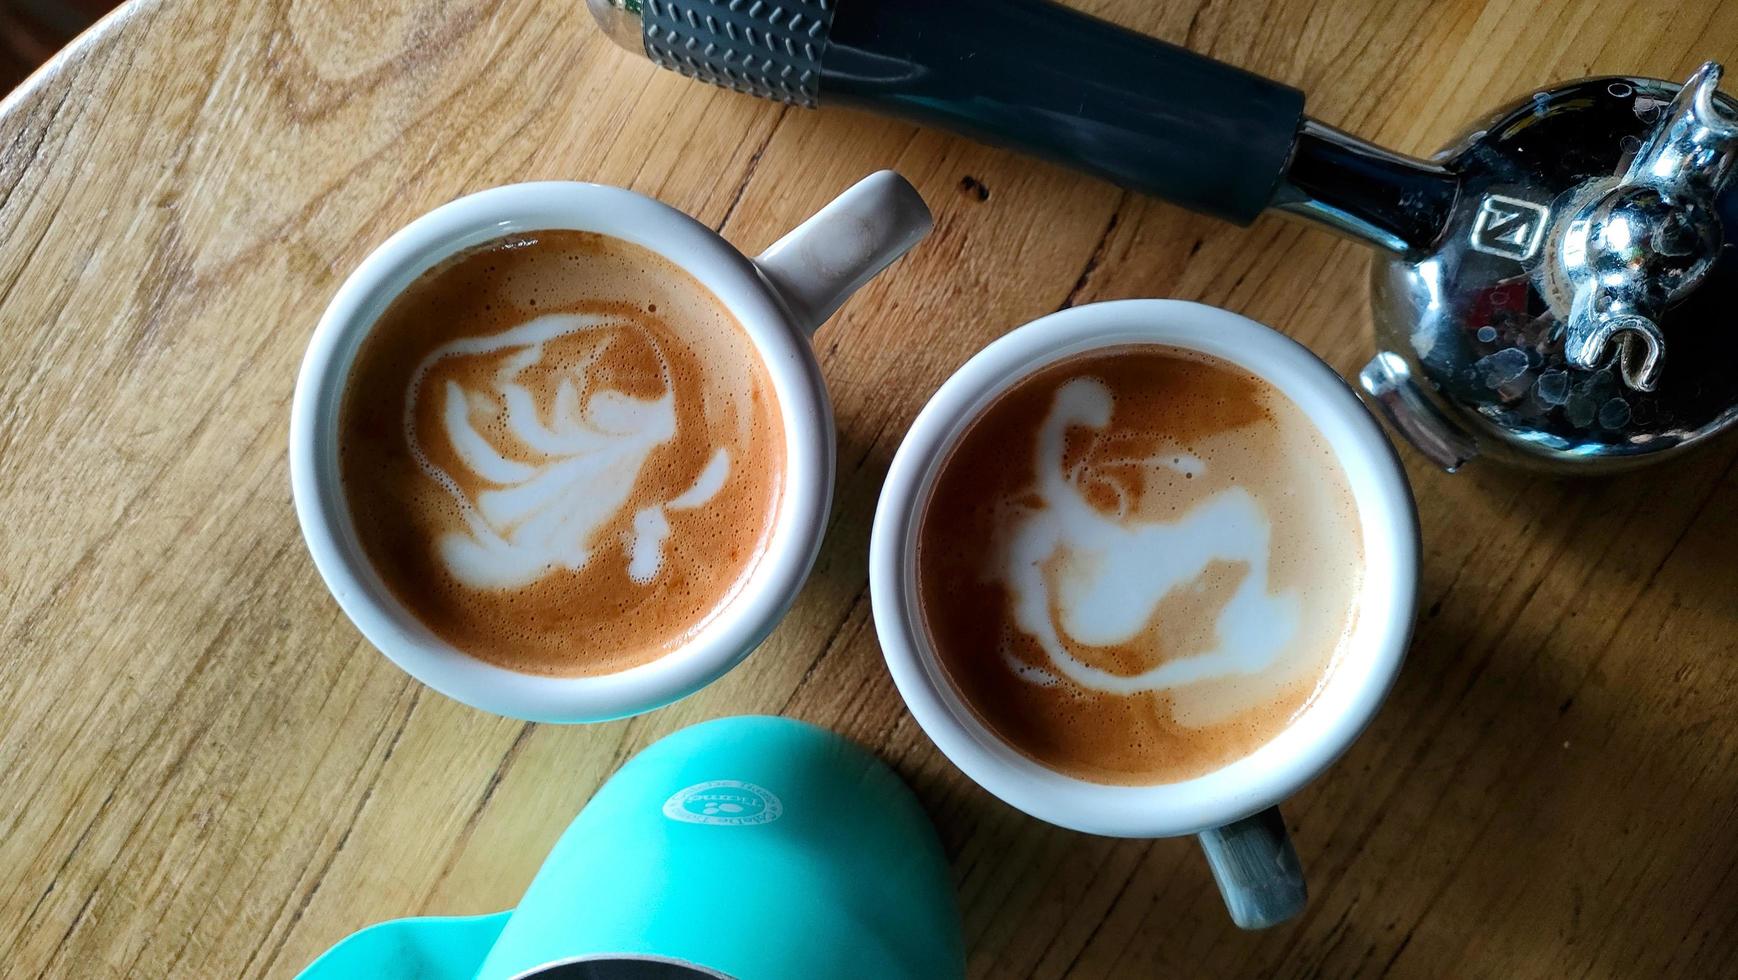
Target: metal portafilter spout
(1551,290)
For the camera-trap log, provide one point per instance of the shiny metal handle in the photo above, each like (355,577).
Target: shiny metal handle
(1390,388)
(1393,202)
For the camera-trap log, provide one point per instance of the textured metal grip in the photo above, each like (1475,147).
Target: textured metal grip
(769,48)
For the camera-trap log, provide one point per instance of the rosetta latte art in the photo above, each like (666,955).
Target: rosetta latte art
(1098,579)
(544,477)
(562,454)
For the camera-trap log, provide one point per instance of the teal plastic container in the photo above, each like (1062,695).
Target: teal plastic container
(754,848)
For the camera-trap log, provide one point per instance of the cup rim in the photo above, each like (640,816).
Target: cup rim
(1360,680)
(324,514)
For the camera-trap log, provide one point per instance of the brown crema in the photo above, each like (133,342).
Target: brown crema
(561,453)
(1197,458)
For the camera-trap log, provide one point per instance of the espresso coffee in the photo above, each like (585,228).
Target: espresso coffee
(561,453)
(1139,564)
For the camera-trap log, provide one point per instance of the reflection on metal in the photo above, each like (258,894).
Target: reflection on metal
(1635,244)
(1367,193)
(1388,382)
(1575,310)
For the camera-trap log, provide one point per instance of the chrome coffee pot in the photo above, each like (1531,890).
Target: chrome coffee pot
(1551,289)
(1571,308)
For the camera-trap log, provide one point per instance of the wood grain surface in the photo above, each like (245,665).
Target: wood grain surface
(206,772)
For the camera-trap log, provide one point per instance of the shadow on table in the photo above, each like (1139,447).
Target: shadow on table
(1526,787)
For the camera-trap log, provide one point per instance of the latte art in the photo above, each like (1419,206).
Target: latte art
(561,453)
(555,473)
(1099,578)
(1138,565)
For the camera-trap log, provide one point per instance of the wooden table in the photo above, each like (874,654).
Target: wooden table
(205,771)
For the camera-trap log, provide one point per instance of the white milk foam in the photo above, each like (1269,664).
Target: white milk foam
(542,512)
(1103,576)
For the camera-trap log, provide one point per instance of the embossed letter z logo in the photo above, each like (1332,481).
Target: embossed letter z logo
(1508,227)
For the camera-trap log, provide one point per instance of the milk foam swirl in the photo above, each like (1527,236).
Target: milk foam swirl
(1073,570)
(1138,564)
(555,470)
(563,455)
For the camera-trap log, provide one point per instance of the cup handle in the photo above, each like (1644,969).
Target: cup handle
(831,255)
(1257,870)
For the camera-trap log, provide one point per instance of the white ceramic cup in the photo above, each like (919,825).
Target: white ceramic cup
(779,298)
(1232,806)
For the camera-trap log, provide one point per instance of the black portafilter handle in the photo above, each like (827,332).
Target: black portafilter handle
(1039,77)
(1044,79)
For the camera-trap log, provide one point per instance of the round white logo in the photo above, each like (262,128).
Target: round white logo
(724,803)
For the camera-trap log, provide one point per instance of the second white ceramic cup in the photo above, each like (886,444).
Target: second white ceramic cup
(1232,806)
(779,298)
